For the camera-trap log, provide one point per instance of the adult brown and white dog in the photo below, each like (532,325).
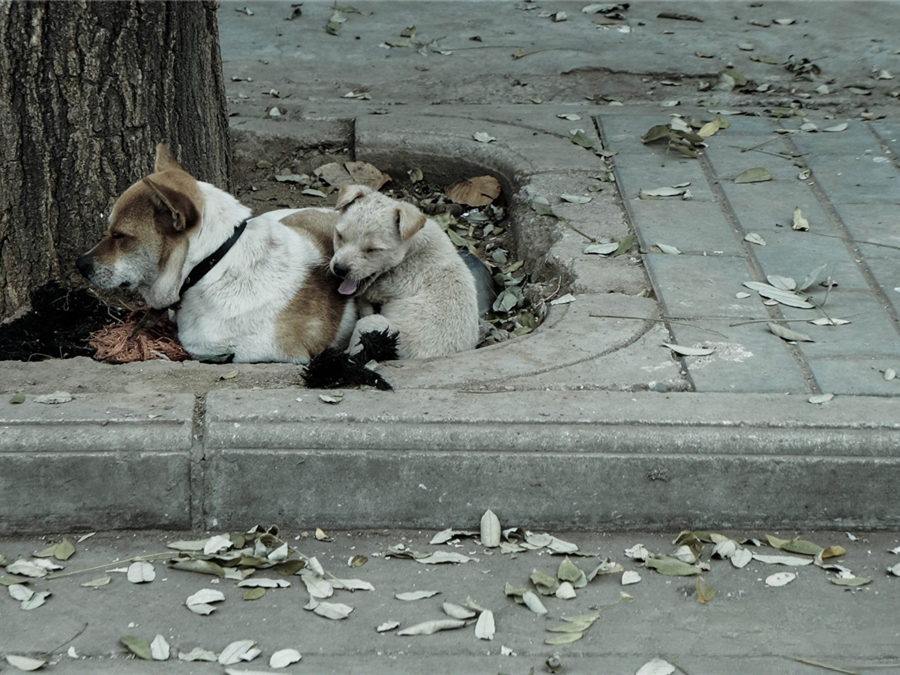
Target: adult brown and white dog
(255,289)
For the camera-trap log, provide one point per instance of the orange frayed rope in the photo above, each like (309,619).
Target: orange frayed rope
(114,343)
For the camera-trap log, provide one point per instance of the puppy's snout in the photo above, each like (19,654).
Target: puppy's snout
(85,265)
(340,270)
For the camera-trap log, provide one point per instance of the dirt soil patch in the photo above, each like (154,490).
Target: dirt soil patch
(58,326)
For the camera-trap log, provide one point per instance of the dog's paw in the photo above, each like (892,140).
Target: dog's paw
(377,346)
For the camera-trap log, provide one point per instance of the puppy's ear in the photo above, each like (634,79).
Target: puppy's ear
(349,194)
(409,220)
(165,160)
(177,198)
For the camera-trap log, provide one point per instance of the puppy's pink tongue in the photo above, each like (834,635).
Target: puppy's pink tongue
(348,287)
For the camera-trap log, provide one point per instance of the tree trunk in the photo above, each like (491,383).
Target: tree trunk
(87,90)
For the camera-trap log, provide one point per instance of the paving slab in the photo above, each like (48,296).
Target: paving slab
(746,359)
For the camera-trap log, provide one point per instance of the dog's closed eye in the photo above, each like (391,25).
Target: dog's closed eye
(373,249)
(118,235)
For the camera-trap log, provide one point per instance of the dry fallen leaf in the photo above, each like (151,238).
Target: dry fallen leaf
(490,530)
(755,238)
(236,652)
(666,248)
(484,627)
(630,577)
(788,334)
(799,222)
(657,193)
(656,667)
(141,573)
(24,663)
(415,595)
(478,191)
(689,351)
(55,398)
(789,560)
(533,602)
(159,648)
(283,658)
(780,579)
(705,592)
(137,646)
(754,175)
(431,627)
(352,173)
(602,249)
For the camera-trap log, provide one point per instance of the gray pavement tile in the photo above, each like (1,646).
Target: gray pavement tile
(870,333)
(879,223)
(701,286)
(855,180)
(750,359)
(887,272)
(855,140)
(859,376)
(728,162)
(644,173)
(796,254)
(691,226)
(761,206)
(889,133)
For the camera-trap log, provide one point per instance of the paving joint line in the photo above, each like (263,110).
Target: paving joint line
(197,514)
(755,268)
(629,214)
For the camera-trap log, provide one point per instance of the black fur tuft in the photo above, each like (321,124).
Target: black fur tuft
(333,368)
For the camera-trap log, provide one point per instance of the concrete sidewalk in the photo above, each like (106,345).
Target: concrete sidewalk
(747,628)
(615,429)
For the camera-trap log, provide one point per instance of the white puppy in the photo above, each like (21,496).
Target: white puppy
(396,261)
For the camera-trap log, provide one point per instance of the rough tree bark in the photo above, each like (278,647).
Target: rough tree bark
(87,90)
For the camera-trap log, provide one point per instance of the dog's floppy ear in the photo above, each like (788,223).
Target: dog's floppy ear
(349,194)
(409,220)
(185,208)
(165,160)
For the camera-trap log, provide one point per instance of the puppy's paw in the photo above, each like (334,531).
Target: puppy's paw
(377,346)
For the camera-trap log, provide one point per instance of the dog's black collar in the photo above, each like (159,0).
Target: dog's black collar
(210,261)
(154,314)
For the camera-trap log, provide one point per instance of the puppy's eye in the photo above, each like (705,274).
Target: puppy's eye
(118,235)
(373,250)
(339,236)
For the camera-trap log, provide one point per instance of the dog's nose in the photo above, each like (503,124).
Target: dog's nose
(340,271)
(85,265)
